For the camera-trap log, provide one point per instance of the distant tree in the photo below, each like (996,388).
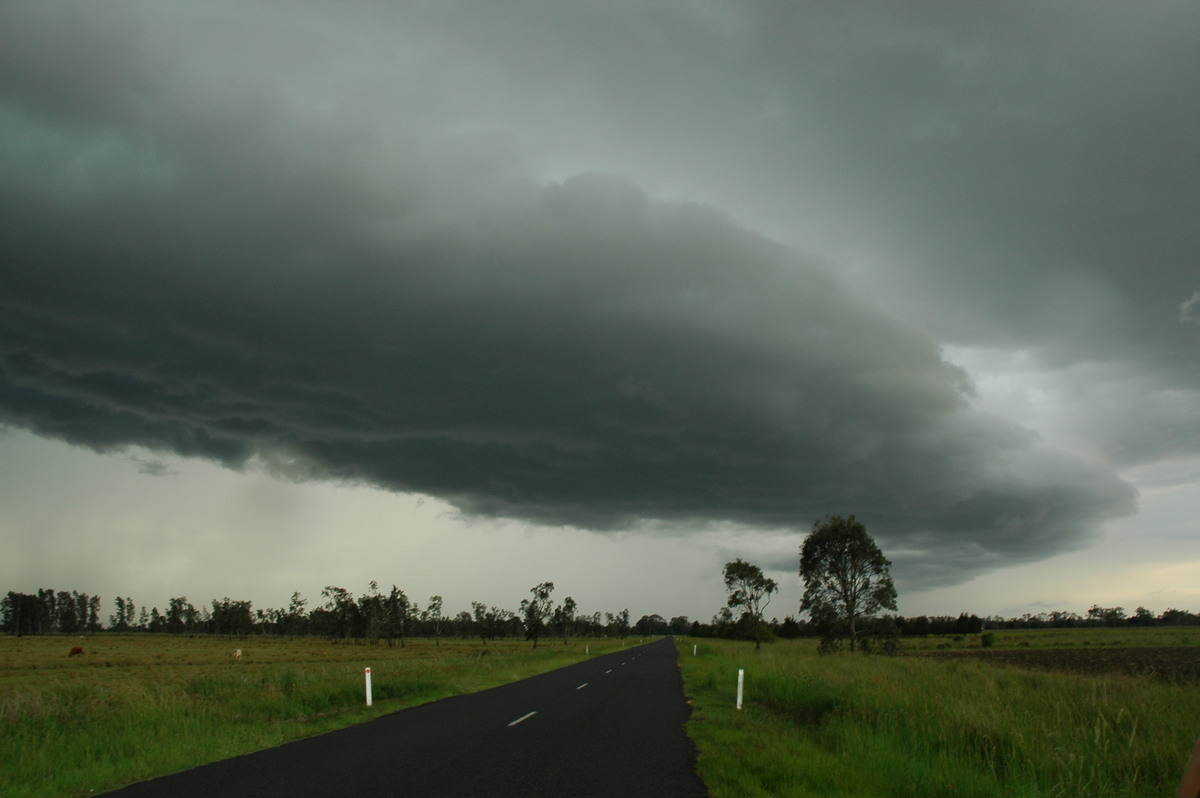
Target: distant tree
(592,624)
(503,623)
(536,610)
(490,623)
(269,620)
(433,619)
(749,590)
(883,634)
(789,629)
(968,624)
(722,623)
(1174,617)
(125,618)
(917,627)
(341,615)
(1142,617)
(69,620)
(294,619)
(181,616)
(231,618)
(479,615)
(399,612)
(47,612)
(116,620)
(372,610)
(21,614)
(846,578)
(462,624)
(679,625)
(649,625)
(1109,616)
(1062,619)
(563,617)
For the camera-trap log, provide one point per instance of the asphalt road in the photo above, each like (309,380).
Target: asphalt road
(608,727)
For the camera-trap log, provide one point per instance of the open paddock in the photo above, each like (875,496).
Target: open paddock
(135,706)
(953,723)
(1082,638)
(1177,664)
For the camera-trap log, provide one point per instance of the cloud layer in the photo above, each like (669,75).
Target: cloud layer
(222,262)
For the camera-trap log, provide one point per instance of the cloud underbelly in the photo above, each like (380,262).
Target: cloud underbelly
(572,353)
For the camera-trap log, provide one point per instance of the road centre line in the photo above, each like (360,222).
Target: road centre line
(580,687)
(523,717)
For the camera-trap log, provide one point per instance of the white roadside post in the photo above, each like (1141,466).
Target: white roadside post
(368,676)
(694,650)
(741,684)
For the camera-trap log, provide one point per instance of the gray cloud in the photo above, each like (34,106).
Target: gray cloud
(204,253)
(153,467)
(1189,311)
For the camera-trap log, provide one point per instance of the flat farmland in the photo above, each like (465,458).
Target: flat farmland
(1087,712)
(1164,654)
(1174,664)
(136,706)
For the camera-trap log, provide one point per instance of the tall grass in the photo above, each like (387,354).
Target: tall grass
(134,707)
(843,725)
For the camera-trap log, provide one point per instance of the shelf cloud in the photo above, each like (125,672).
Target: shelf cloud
(219,262)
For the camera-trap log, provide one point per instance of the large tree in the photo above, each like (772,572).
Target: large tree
(846,578)
(750,591)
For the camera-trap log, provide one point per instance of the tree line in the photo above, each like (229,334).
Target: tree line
(847,584)
(724,624)
(376,616)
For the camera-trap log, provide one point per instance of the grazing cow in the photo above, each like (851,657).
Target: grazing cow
(77,650)
(237,655)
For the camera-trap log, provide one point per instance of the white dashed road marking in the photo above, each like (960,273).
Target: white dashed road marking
(523,717)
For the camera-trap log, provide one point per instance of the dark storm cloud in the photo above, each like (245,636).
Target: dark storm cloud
(227,272)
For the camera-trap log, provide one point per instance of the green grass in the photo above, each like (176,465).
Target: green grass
(843,725)
(139,706)
(1098,637)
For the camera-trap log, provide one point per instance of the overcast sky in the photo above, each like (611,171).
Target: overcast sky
(468,296)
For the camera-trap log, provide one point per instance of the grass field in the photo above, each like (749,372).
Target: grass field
(949,718)
(136,706)
(1080,638)
(912,726)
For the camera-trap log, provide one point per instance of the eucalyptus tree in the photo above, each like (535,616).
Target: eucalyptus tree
(536,610)
(432,617)
(399,613)
(295,619)
(564,617)
(846,578)
(750,590)
(340,614)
